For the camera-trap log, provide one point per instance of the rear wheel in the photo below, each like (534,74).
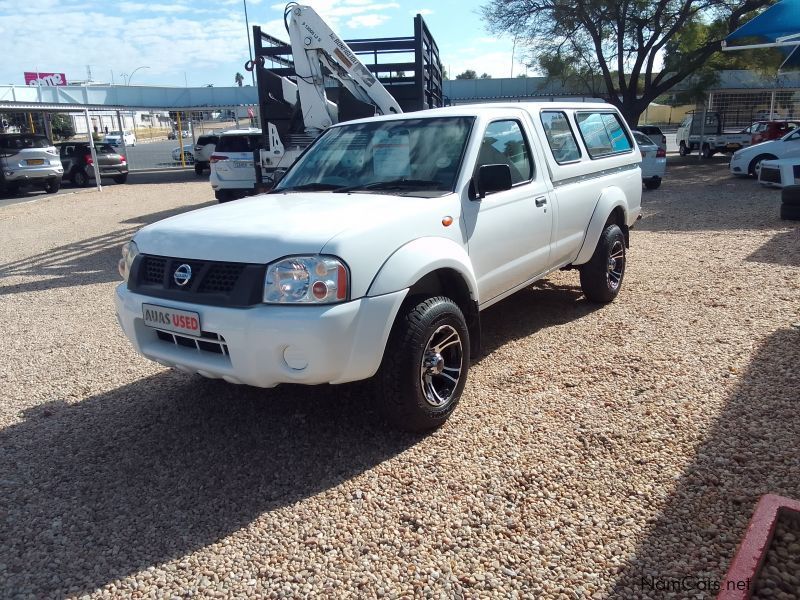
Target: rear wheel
(683,150)
(223,196)
(707,151)
(601,277)
(121,178)
(198,168)
(80,178)
(53,185)
(790,213)
(425,364)
(652,184)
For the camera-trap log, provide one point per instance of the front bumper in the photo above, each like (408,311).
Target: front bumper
(337,343)
(738,166)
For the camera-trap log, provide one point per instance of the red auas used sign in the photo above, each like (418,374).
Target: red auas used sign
(45,78)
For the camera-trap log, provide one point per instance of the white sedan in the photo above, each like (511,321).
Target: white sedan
(188,153)
(654,161)
(747,161)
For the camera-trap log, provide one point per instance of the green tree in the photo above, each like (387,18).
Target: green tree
(62,127)
(486,76)
(239,78)
(468,74)
(610,47)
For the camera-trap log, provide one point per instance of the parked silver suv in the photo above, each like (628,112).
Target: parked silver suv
(27,159)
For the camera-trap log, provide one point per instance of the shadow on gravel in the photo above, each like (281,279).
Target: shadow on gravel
(704,196)
(86,262)
(149,472)
(749,451)
(542,305)
(781,249)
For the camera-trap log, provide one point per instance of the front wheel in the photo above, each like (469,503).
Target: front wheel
(425,364)
(683,150)
(601,277)
(755,165)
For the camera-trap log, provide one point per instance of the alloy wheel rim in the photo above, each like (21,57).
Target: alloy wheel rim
(441,366)
(616,264)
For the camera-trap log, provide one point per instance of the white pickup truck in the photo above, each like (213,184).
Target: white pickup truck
(712,139)
(377,252)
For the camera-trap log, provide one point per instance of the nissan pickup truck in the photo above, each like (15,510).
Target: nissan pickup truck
(375,254)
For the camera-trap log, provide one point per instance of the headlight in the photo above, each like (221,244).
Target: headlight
(129,252)
(306,280)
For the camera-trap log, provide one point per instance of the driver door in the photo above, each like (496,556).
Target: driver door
(508,232)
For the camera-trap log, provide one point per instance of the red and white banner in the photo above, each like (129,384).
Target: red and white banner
(45,78)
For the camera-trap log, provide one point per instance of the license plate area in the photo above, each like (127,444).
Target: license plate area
(242,164)
(34,162)
(171,319)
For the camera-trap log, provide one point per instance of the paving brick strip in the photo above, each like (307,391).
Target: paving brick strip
(597,452)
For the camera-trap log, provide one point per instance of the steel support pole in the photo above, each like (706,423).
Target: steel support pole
(93,150)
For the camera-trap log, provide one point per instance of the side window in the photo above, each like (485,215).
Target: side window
(602,133)
(560,137)
(505,144)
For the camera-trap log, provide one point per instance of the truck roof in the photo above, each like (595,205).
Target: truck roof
(474,110)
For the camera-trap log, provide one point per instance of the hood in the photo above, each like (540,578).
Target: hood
(261,229)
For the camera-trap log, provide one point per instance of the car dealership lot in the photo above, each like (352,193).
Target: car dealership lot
(594,446)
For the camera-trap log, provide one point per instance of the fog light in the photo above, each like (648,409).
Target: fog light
(295,358)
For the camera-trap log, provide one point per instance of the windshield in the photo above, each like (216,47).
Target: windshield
(415,156)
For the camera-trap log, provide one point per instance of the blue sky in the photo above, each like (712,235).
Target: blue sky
(197,42)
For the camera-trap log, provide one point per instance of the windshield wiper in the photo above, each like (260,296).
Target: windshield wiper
(392,184)
(310,187)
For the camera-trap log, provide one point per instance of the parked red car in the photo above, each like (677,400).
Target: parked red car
(764,131)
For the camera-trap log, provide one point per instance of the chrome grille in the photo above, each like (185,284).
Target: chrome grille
(207,342)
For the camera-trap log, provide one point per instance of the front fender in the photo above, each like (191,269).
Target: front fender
(411,262)
(610,198)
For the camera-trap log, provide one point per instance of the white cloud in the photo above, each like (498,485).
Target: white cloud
(421,11)
(366,21)
(134,7)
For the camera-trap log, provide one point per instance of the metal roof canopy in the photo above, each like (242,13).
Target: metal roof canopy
(778,26)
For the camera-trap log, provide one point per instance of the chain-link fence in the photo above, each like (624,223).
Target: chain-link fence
(741,108)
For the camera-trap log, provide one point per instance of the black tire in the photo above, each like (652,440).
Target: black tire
(652,184)
(12,189)
(790,195)
(790,213)
(408,391)
(601,279)
(198,168)
(223,196)
(683,150)
(53,185)
(707,151)
(80,178)
(751,169)
(121,178)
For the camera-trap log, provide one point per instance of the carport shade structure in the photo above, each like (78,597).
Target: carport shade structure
(776,27)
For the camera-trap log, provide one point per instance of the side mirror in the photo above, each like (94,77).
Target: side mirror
(493,178)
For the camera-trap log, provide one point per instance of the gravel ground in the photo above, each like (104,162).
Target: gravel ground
(779,578)
(597,451)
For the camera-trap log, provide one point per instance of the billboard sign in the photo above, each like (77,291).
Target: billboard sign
(45,78)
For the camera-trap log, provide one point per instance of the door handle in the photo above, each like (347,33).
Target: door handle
(541,201)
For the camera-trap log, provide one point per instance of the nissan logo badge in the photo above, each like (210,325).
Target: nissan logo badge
(182,275)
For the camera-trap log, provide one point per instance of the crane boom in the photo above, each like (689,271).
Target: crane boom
(314,45)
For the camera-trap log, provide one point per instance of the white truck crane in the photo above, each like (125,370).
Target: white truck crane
(315,48)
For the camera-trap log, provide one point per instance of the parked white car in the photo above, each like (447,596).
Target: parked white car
(232,172)
(377,252)
(188,153)
(747,161)
(117,138)
(654,161)
(27,159)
